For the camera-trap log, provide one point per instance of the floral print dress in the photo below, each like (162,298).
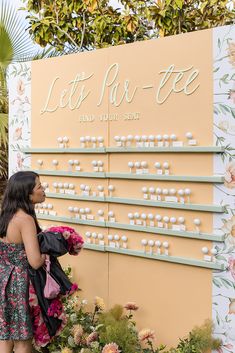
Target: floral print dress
(15,320)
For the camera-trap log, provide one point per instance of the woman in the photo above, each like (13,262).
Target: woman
(19,248)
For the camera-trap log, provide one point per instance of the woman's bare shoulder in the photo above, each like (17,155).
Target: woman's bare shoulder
(21,217)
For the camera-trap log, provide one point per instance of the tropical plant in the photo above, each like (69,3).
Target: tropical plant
(180,16)
(83,25)
(14,48)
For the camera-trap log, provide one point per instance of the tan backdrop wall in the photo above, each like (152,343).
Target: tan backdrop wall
(172,297)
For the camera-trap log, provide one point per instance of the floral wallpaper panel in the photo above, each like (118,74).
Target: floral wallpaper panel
(223,307)
(19,82)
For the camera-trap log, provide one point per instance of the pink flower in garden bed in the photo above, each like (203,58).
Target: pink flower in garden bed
(111,348)
(146,335)
(131,306)
(91,338)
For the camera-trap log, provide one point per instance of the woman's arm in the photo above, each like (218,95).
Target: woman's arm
(29,236)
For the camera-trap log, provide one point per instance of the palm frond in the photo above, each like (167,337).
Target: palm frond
(3,129)
(3,163)
(6,53)
(15,27)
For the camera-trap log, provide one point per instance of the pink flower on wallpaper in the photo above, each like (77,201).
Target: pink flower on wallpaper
(231,266)
(19,161)
(229,228)
(228,348)
(20,87)
(231,95)
(17,135)
(229,177)
(231,53)
(232,306)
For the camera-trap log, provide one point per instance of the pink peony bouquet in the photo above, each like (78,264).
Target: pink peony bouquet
(74,240)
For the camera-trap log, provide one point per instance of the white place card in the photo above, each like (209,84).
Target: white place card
(177,144)
(71,192)
(207,258)
(176,227)
(192,142)
(52,213)
(90,217)
(171,199)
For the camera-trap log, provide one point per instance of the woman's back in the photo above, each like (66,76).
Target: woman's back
(13,234)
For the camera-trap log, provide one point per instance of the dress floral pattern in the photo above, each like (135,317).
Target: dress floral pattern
(15,320)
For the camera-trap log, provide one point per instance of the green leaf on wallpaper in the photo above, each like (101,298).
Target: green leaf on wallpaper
(224,108)
(233,112)
(219,43)
(216,69)
(224,79)
(226,282)
(217,318)
(220,257)
(216,282)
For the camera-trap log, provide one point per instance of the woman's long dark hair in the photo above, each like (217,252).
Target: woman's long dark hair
(16,196)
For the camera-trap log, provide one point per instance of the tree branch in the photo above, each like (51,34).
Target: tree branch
(83,30)
(67,35)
